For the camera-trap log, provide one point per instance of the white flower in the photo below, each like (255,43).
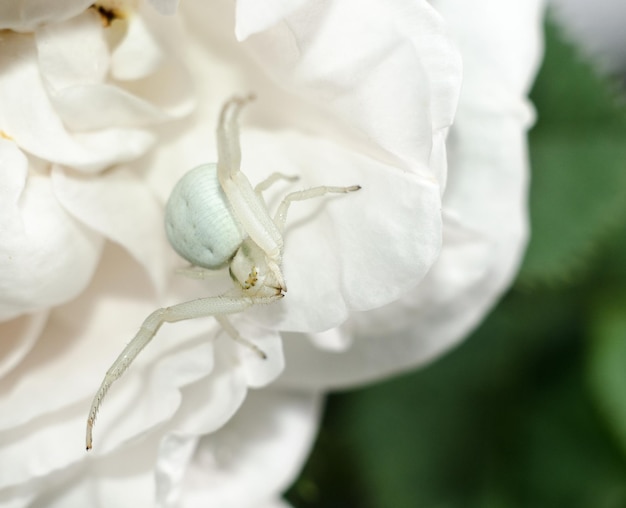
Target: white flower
(99,120)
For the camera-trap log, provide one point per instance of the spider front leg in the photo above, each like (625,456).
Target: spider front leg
(272,179)
(247,204)
(314,192)
(218,306)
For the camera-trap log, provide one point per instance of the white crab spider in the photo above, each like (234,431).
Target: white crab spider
(215,218)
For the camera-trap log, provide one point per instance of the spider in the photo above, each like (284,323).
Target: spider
(215,219)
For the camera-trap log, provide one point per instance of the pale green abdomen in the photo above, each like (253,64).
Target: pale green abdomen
(199,221)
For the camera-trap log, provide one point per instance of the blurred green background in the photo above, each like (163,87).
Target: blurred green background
(530,411)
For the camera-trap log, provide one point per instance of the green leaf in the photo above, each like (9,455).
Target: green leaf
(578,159)
(608,363)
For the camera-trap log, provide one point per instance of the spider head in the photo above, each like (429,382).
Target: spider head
(255,273)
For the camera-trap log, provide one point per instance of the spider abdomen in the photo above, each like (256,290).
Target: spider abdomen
(199,221)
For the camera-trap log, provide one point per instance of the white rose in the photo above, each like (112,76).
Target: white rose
(98,123)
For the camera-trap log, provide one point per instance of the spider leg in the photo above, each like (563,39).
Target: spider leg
(314,192)
(248,206)
(272,179)
(216,306)
(198,272)
(228,149)
(235,335)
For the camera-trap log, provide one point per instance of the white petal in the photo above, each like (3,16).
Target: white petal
(399,83)
(14,167)
(125,479)
(260,372)
(257,454)
(28,117)
(150,63)
(25,15)
(88,107)
(493,81)
(18,338)
(206,407)
(348,252)
(74,61)
(254,16)
(166,7)
(49,257)
(17,498)
(119,206)
(335,339)
(74,52)
(139,53)
(170,89)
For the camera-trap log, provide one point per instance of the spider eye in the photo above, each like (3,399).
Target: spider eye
(199,221)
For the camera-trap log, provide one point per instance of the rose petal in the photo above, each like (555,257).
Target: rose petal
(25,15)
(196,417)
(98,107)
(74,52)
(327,268)
(494,84)
(166,7)
(28,117)
(139,53)
(74,60)
(18,338)
(258,453)
(126,478)
(260,371)
(14,167)
(147,63)
(335,339)
(306,54)
(253,16)
(120,207)
(49,257)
